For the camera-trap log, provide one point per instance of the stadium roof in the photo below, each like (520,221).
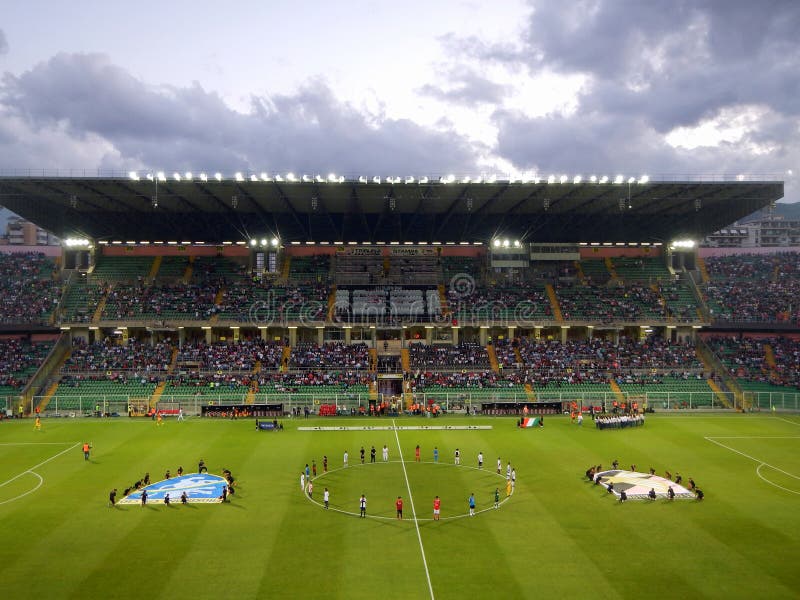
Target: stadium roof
(126,209)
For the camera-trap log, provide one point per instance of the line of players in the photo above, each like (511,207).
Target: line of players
(308,474)
(227,490)
(592,474)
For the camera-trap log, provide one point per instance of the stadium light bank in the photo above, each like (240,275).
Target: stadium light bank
(482,179)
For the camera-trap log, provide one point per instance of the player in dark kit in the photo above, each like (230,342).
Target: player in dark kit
(201,466)
(112,497)
(399,506)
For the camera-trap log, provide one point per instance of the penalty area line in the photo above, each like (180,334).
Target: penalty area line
(44,462)
(413,511)
(761,463)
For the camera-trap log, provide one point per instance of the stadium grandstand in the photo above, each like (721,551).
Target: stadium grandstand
(392,294)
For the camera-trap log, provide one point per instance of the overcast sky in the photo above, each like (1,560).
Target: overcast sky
(657,87)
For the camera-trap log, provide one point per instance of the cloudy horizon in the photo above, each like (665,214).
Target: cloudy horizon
(664,88)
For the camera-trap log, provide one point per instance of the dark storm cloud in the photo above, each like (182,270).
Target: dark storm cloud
(192,128)
(465,86)
(651,67)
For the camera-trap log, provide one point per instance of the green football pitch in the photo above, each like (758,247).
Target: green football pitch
(557,535)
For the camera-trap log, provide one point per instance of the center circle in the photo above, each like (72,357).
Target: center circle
(382,483)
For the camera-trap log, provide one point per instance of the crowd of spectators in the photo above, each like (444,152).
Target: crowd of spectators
(746,358)
(748,301)
(262,302)
(109,356)
(520,301)
(464,355)
(608,304)
(19,359)
(28,290)
(300,381)
(330,355)
(176,301)
(233,356)
(199,383)
(754,288)
(488,379)
(597,360)
(750,267)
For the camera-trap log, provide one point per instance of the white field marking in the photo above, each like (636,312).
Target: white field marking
(44,462)
(414,512)
(758,472)
(424,462)
(34,443)
(788,421)
(41,481)
(761,463)
(754,437)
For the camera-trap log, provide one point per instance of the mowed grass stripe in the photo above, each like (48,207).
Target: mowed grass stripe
(558,535)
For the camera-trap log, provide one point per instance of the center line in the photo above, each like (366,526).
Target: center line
(413,511)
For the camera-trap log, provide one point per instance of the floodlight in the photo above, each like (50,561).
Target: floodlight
(497,243)
(263,241)
(644,179)
(631,180)
(218,176)
(506,243)
(479,179)
(341,179)
(188,175)
(577,179)
(161,176)
(362,179)
(562,179)
(409,179)
(254,177)
(290,177)
(551,179)
(466,179)
(593,178)
(332,177)
(740,177)
(306,179)
(149,177)
(516,244)
(376,179)
(176,176)
(619,179)
(319,178)
(253,242)
(423,180)
(450,178)
(278,178)
(238,176)
(265,177)
(274,242)
(133,175)
(604,179)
